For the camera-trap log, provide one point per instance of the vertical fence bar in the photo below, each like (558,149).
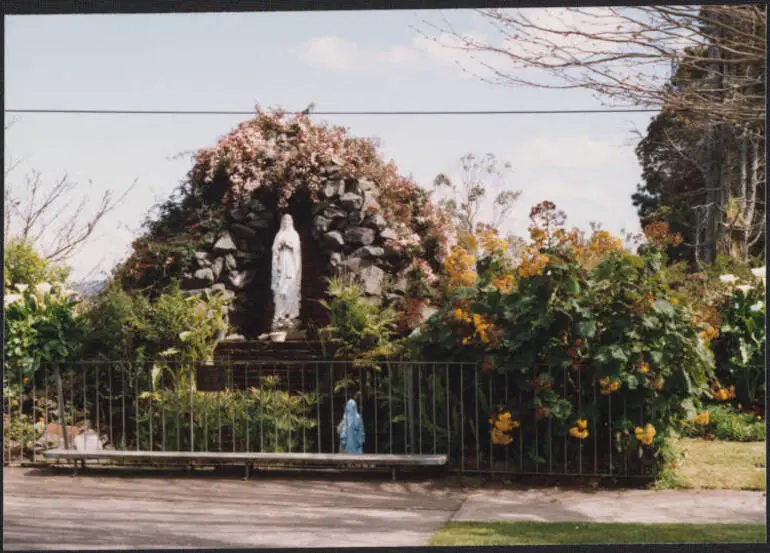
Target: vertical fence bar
(550,432)
(98,418)
(376,411)
(60,393)
(192,414)
(566,441)
(489,395)
(521,438)
(45,406)
(34,417)
(123,429)
(462,421)
(85,403)
(419,404)
(611,432)
(390,408)
(433,397)
(595,436)
(537,438)
(476,416)
(331,395)
(580,442)
(505,398)
(318,408)
(407,407)
(275,416)
(246,387)
(625,453)
(136,407)
(111,397)
(288,398)
(302,385)
(232,390)
(448,413)
(21,419)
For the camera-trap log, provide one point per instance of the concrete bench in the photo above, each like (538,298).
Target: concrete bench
(334,460)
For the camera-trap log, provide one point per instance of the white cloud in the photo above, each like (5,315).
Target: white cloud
(340,55)
(330,52)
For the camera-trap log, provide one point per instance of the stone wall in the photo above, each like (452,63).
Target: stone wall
(342,232)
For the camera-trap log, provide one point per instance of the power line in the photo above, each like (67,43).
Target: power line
(383,113)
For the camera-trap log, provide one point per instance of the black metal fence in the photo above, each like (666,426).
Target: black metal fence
(407,407)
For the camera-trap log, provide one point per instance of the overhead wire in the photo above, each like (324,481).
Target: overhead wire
(313,112)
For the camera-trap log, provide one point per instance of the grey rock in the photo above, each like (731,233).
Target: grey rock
(250,256)
(366,185)
(203,259)
(372,278)
(237,214)
(370,203)
(335,259)
(243,231)
(239,279)
(388,234)
(333,240)
(205,274)
(225,243)
(352,265)
(331,189)
(376,221)
(360,236)
(369,252)
(195,292)
(321,223)
(352,186)
(351,201)
(230,262)
(257,206)
(335,213)
(356,218)
(218,287)
(217,267)
(235,338)
(400,283)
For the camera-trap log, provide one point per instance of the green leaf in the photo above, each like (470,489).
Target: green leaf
(664,308)
(586,329)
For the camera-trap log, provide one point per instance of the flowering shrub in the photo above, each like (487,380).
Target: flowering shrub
(282,153)
(740,346)
(589,328)
(41,325)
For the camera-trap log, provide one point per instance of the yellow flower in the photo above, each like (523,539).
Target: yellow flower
(644,367)
(26,380)
(466,340)
(582,424)
(740,406)
(458,314)
(500,438)
(702,419)
(646,434)
(41,419)
(675,301)
(577,433)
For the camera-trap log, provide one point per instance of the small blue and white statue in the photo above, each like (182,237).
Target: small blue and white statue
(351,430)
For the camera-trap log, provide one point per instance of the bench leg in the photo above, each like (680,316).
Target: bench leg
(247,472)
(393,473)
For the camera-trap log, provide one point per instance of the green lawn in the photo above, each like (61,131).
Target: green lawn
(717,465)
(558,533)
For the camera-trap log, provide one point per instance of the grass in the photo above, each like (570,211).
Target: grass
(559,533)
(719,465)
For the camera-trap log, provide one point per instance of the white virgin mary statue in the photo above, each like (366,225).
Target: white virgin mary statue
(286,275)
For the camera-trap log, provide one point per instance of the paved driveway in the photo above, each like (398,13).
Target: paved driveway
(51,509)
(111,508)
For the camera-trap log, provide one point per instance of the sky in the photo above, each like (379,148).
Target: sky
(341,61)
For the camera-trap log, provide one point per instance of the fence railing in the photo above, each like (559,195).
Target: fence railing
(258,406)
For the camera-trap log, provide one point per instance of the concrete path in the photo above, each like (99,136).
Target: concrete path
(109,508)
(641,506)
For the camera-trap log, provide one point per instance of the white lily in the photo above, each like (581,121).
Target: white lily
(9,299)
(44,288)
(759,273)
(745,288)
(759,306)
(22,287)
(728,279)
